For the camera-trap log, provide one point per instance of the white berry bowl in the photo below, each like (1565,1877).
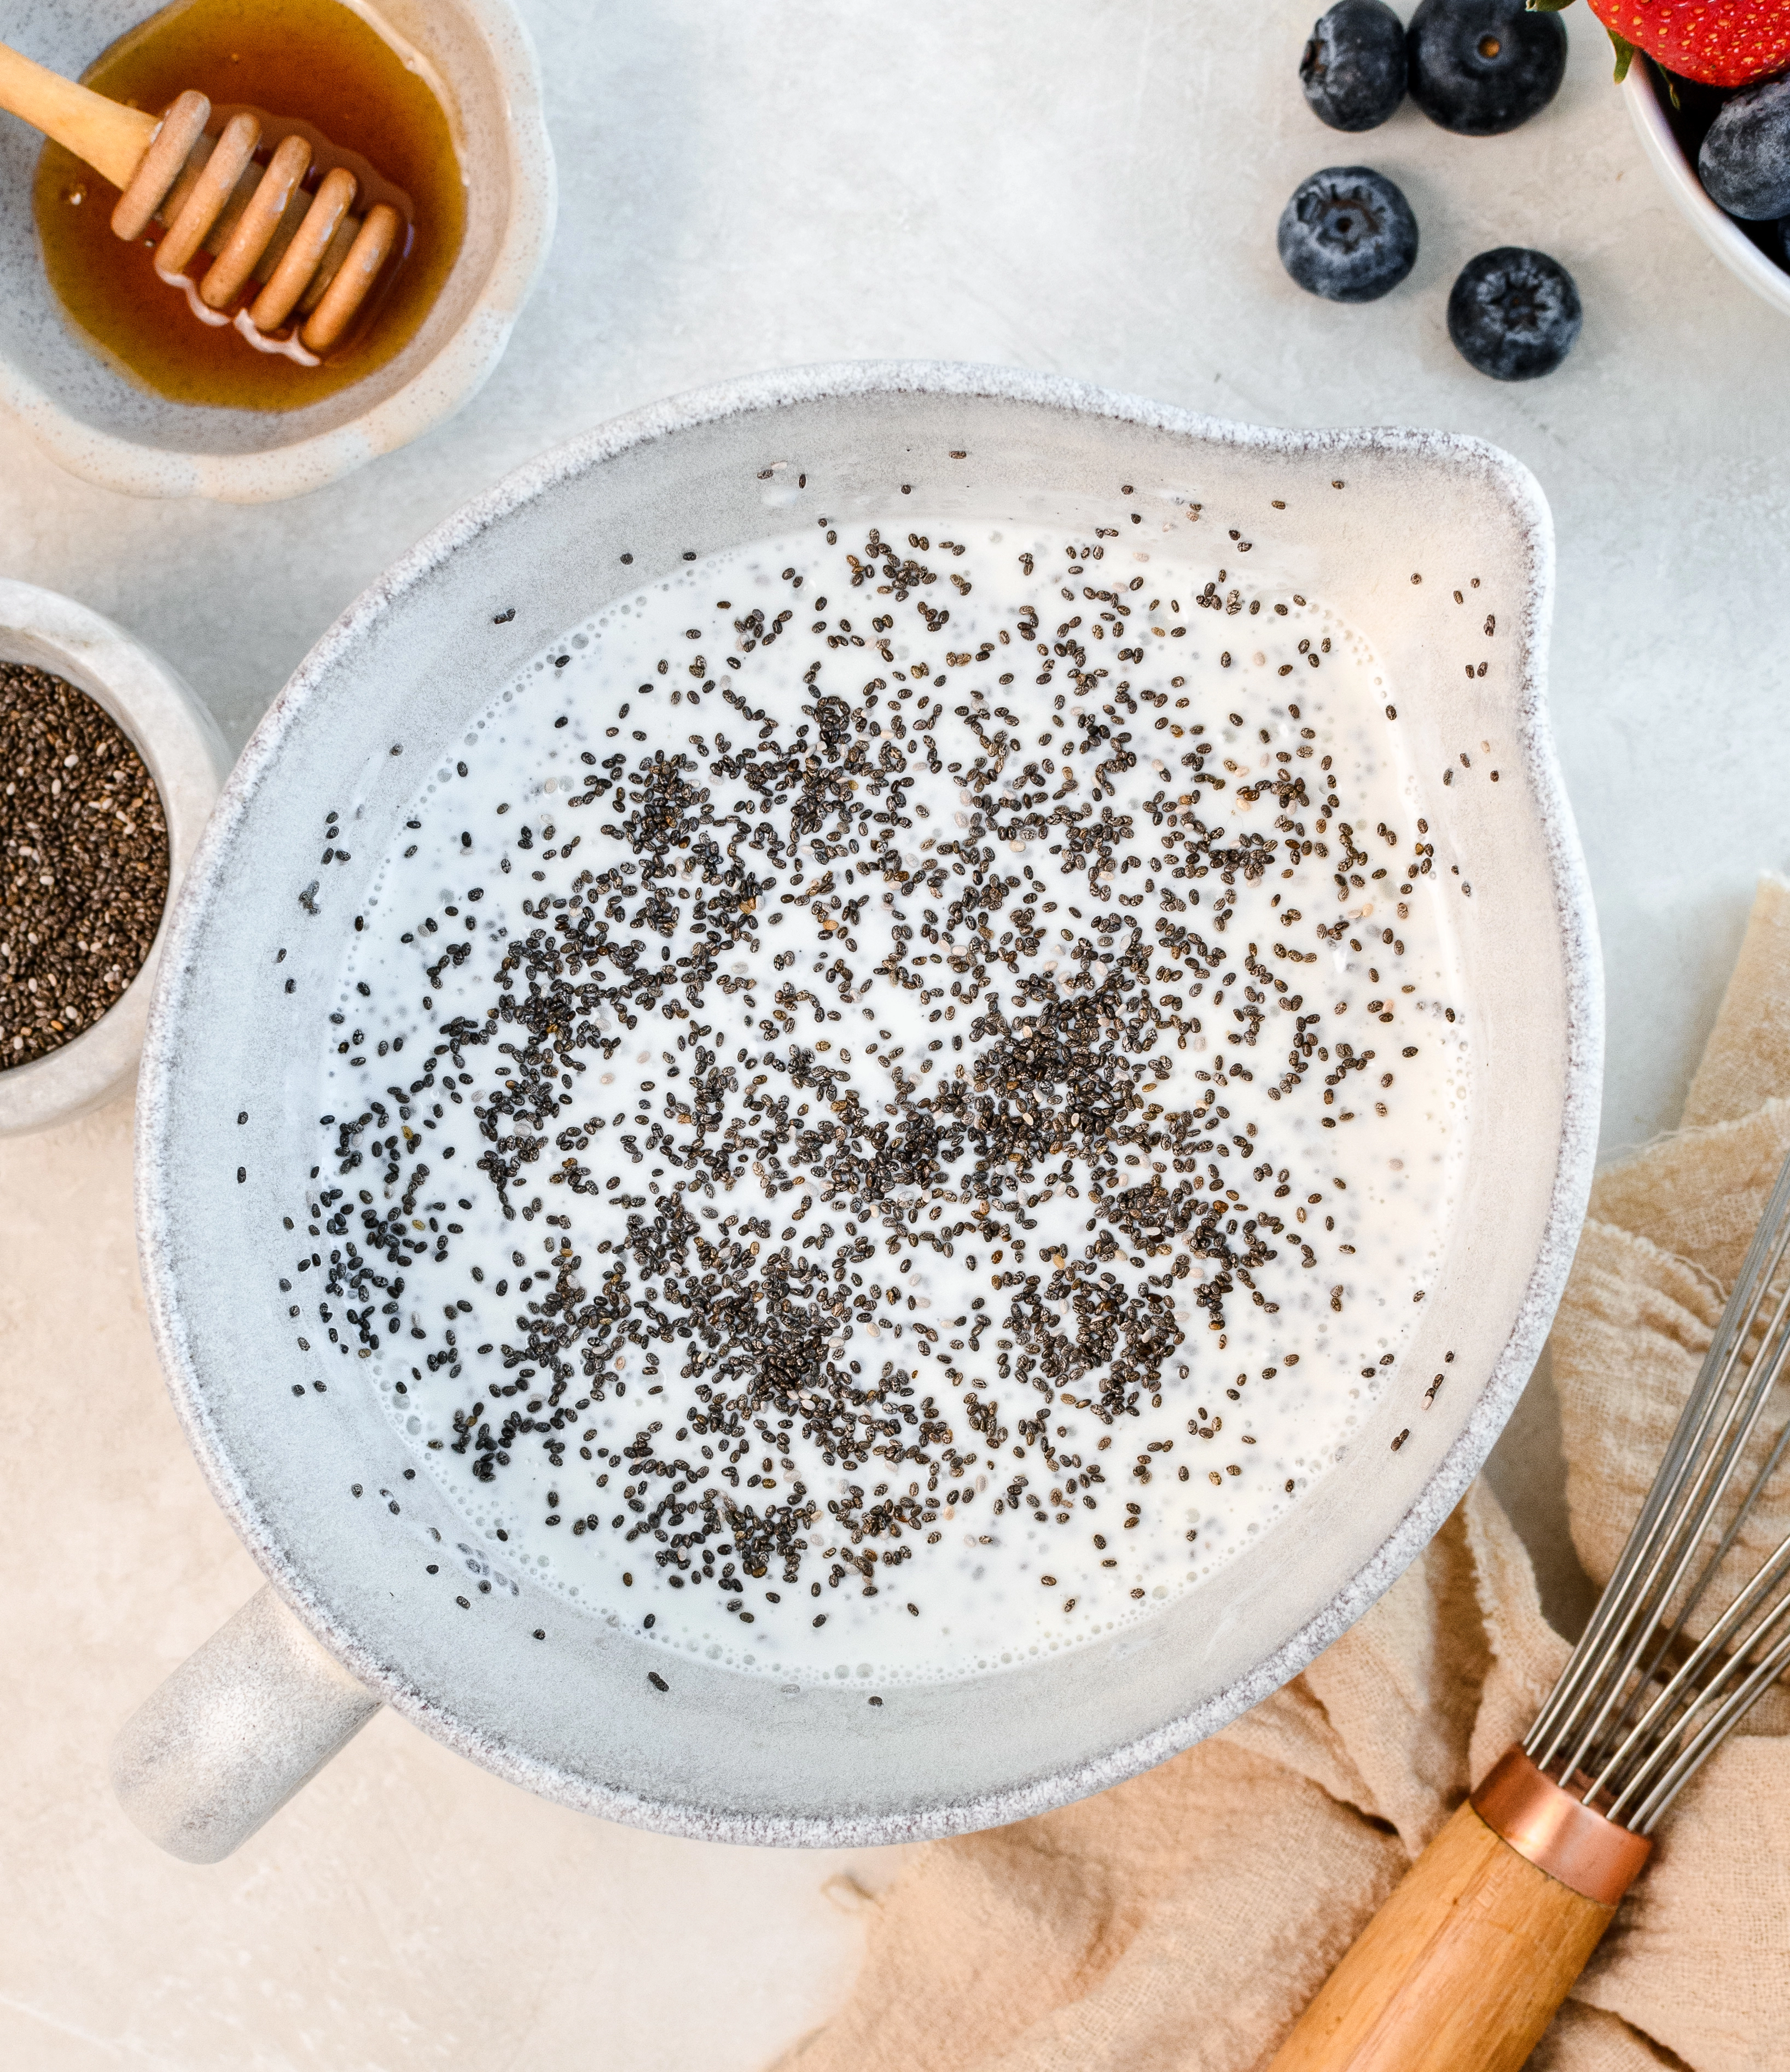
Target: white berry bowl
(1650,107)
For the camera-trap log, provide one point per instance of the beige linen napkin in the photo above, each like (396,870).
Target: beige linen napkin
(1182,1920)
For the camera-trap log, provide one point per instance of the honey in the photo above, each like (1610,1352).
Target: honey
(314,66)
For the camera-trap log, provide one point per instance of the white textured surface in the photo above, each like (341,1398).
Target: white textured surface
(1090,189)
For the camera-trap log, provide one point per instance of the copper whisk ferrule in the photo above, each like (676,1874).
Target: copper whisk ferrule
(1557,1832)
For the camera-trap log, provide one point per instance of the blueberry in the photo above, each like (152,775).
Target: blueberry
(1482,66)
(1347,235)
(1353,69)
(1745,161)
(1514,313)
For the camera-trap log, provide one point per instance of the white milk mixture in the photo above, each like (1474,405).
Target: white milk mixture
(898,1094)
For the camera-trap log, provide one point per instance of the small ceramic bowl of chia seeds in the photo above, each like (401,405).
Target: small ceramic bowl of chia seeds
(109,766)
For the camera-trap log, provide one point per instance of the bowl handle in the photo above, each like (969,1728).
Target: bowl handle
(219,1748)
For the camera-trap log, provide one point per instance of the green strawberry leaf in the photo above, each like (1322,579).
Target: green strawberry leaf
(1625,54)
(1547,6)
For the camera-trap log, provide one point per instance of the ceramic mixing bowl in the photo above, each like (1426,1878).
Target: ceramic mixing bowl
(99,423)
(1382,526)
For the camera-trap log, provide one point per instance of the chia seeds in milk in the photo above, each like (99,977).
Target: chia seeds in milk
(898,1094)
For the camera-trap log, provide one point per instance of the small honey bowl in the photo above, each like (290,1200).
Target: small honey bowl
(252,427)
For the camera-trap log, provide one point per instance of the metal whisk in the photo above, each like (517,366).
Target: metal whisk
(1465,1965)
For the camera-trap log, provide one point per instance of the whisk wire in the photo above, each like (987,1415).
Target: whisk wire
(1618,1599)
(1697,1752)
(1670,1638)
(1697,1682)
(1621,1729)
(1709,1489)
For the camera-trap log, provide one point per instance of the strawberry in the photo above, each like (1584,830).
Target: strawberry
(1722,42)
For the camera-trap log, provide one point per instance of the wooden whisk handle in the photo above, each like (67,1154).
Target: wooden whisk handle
(1463,1969)
(110,138)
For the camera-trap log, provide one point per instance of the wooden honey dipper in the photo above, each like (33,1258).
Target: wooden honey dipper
(306,254)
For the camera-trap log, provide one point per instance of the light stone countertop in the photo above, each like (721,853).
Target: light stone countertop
(1090,189)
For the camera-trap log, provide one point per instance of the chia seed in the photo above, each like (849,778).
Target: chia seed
(83,850)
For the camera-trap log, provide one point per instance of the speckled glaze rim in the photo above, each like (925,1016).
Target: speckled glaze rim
(187,758)
(1717,228)
(1573,918)
(442,385)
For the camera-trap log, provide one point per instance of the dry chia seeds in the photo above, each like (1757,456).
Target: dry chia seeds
(86,856)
